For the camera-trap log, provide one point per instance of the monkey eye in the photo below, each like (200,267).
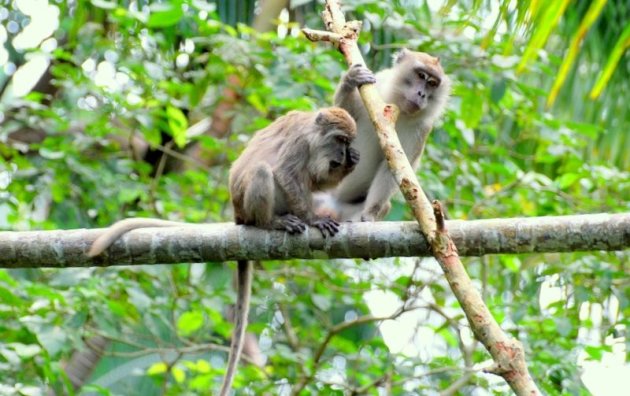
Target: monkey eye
(422,76)
(342,139)
(433,83)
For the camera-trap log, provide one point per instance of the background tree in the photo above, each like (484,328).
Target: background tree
(536,126)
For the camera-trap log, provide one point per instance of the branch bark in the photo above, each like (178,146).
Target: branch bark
(226,241)
(506,352)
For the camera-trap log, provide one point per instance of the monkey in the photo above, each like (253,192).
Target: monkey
(271,185)
(328,163)
(417,84)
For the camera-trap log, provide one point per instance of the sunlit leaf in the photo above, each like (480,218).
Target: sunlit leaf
(178,374)
(544,26)
(165,16)
(567,180)
(178,124)
(589,19)
(513,263)
(25,351)
(157,368)
(611,64)
(189,322)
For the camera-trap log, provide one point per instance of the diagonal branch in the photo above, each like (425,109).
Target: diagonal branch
(506,352)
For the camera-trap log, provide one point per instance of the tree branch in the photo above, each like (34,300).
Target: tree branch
(506,352)
(226,241)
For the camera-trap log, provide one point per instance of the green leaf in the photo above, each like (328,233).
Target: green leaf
(622,44)
(165,15)
(513,263)
(467,133)
(178,124)
(7,296)
(472,108)
(127,195)
(52,338)
(594,353)
(26,351)
(189,322)
(546,22)
(157,368)
(498,90)
(178,374)
(567,180)
(589,19)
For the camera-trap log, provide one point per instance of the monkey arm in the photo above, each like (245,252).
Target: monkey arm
(347,95)
(290,175)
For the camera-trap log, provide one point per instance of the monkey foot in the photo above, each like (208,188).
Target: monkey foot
(291,224)
(367,218)
(327,226)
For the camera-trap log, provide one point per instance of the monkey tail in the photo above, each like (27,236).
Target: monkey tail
(241,313)
(111,235)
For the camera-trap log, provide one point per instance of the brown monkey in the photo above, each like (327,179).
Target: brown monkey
(271,185)
(290,147)
(416,84)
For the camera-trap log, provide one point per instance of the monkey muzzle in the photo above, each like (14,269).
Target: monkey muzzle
(334,165)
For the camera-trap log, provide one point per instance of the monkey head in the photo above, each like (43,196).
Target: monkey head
(422,85)
(332,157)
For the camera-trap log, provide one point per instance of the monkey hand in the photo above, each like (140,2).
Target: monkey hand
(291,224)
(357,76)
(326,225)
(353,157)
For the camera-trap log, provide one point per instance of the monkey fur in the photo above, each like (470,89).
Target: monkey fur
(419,87)
(272,182)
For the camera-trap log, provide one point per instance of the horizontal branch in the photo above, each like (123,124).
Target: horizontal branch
(226,241)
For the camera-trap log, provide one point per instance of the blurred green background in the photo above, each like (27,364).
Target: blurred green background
(137,108)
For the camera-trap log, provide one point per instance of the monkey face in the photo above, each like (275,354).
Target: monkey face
(336,158)
(420,80)
(420,85)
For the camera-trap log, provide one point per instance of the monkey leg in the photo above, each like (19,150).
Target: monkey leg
(376,212)
(381,190)
(259,197)
(259,201)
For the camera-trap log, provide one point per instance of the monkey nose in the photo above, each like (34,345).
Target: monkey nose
(421,94)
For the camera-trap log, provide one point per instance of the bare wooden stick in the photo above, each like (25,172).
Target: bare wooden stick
(506,352)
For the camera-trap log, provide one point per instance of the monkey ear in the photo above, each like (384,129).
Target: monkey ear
(321,118)
(400,55)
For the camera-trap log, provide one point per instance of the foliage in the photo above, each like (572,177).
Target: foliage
(151,71)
